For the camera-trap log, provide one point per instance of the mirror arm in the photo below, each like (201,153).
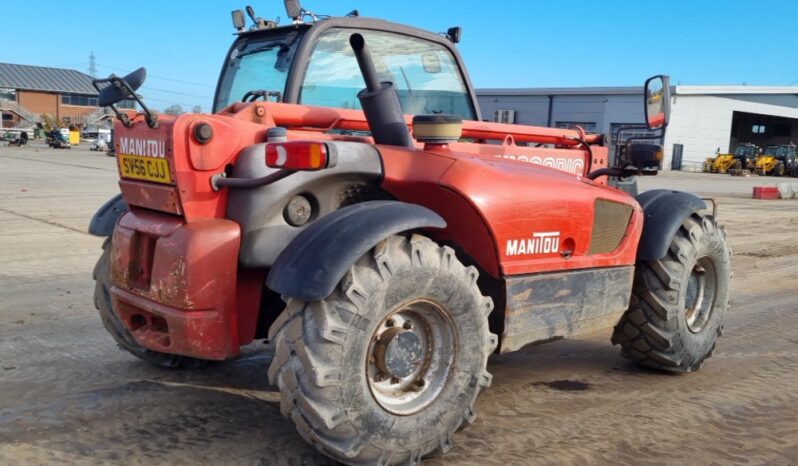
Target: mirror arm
(119,116)
(604,172)
(149,117)
(620,172)
(113,80)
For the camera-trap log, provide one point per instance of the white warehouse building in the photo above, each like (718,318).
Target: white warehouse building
(704,119)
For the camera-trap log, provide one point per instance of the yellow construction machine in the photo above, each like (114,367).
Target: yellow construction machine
(720,163)
(54,136)
(743,157)
(777,160)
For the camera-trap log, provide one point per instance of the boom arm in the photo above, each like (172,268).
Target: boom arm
(325,119)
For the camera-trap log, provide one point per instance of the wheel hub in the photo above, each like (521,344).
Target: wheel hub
(411,354)
(700,295)
(399,352)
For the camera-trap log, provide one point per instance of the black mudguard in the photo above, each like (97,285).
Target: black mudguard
(104,220)
(664,212)
(318,257)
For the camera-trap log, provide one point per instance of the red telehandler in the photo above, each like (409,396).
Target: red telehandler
(346,201)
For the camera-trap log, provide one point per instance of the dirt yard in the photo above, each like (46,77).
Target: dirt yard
(68,395)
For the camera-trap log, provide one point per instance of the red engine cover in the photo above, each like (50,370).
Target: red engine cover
(492,206)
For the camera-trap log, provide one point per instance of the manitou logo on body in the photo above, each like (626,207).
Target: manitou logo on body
(540,243)
(142,147)
(573,166)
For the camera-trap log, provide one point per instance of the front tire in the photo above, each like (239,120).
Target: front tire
(117,329)
(388,367)
(679,302)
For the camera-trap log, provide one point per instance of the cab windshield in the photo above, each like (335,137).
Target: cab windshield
(425,74)
(745,151)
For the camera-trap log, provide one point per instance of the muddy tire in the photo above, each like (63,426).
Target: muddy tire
(388,367)
(114,326)
(678,303)
(778,170)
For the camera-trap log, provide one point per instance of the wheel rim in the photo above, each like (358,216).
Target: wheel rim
(411,354)
(700,296)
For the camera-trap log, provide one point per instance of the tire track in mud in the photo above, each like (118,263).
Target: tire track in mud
(620,421)
(741,408)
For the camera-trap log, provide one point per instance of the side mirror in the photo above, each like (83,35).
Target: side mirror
(117,91)
(644,156)
(657,101)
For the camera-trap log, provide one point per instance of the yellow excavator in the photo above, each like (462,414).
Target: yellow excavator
(743,157)
(777,160)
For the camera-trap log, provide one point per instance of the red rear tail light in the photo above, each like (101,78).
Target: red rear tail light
(299,155)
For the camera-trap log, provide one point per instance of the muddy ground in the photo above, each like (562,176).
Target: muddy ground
(68,395)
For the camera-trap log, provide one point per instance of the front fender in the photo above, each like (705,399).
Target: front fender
(316,259)
(664,212)
(104,220)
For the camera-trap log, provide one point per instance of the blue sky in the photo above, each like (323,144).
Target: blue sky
(512,43)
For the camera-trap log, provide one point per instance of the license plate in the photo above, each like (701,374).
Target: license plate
(144,168)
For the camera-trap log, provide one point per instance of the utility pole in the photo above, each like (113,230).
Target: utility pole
(92,66)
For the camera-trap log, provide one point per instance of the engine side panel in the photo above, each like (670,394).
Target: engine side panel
(259,211)
(543,307)
(515,218)
(542,220)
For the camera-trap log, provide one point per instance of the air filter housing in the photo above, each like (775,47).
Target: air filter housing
(437,129)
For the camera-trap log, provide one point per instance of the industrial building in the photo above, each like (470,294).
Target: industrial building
(28,92)
(704,119)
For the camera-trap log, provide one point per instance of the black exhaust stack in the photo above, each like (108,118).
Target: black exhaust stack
(380,101)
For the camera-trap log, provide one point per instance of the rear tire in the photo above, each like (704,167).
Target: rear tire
(114,326)
(351,400)
(679,302)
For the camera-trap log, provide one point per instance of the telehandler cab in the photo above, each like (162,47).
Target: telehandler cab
(745,156)
(346,201)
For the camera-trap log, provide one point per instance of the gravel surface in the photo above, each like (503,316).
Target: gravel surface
(68,395)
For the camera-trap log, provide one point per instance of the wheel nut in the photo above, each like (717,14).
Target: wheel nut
(390,323)
(394,380)
(408,325)
(420,383)
(379,377)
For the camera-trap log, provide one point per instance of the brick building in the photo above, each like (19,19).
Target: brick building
(27,92)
